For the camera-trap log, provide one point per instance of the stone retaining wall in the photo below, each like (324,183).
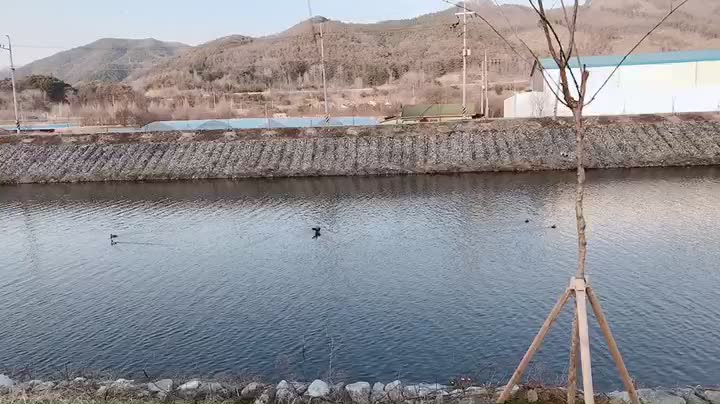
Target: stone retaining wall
(501,145)
(320,391)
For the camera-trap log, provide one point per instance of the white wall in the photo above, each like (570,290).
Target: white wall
(525,105)
(642,89)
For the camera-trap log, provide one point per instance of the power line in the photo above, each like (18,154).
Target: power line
(536,59)
(252,40)
(322,59)
(9,48)
(465,54)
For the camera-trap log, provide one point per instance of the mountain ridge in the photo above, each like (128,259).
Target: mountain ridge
(106,59)
(378,53)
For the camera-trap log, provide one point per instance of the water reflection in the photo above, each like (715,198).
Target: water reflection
(423,278)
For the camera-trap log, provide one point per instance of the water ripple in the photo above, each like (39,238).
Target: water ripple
(425,277)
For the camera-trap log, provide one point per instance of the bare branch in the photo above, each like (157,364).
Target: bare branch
(548,28)
(574,48)
(637,45)
(560,59)
(492,27)
(572,28)
(547,79)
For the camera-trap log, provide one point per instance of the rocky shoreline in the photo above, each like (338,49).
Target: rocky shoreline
(285,392)
(477,146)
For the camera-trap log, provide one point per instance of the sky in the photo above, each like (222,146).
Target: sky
(40,28)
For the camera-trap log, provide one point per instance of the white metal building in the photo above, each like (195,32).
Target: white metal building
(654,83)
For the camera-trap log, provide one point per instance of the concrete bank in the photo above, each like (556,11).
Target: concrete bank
(501,145)
(292,392)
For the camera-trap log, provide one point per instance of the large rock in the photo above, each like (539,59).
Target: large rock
(160,385)
(619,397)
(318,388)
(103,391)
(284,392)
(378,392)
(712,396)
(6,383)
(212,388)
(33,383)
(252,390)
(424,390)
(121,385)
(359,392)
(192,385)
(649,396)
(694,399)
(394,390)
(434,388)
(476,391)
(691,396)
(161,388)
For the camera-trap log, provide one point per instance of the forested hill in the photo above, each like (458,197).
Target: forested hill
(106,60)
(423,48)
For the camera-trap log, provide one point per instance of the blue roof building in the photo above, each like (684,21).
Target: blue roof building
(644,83)
(639,59)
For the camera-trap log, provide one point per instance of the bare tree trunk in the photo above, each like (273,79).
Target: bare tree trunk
(580,190)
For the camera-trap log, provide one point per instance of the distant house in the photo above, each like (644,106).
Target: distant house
(653,83)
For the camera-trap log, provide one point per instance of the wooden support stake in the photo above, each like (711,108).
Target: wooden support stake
(612,346)
(537,342)
(572,369)
(583,332)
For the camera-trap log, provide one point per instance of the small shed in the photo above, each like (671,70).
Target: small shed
(435,112)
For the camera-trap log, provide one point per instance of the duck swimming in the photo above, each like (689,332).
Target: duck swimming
(317,232)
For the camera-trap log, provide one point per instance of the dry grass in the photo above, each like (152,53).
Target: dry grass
(382,101)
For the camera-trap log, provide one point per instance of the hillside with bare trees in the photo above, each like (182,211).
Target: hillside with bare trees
(372,69)
(105,60)
(369,55)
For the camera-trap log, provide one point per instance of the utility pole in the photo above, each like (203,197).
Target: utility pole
(324,79)
(12,79)
(486,84)
(466,53)
(267,117)
(322,60)
(482,88)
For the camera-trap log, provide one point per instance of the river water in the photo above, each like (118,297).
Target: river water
(419,278)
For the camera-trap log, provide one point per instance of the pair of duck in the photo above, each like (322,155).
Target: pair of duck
(552,227)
